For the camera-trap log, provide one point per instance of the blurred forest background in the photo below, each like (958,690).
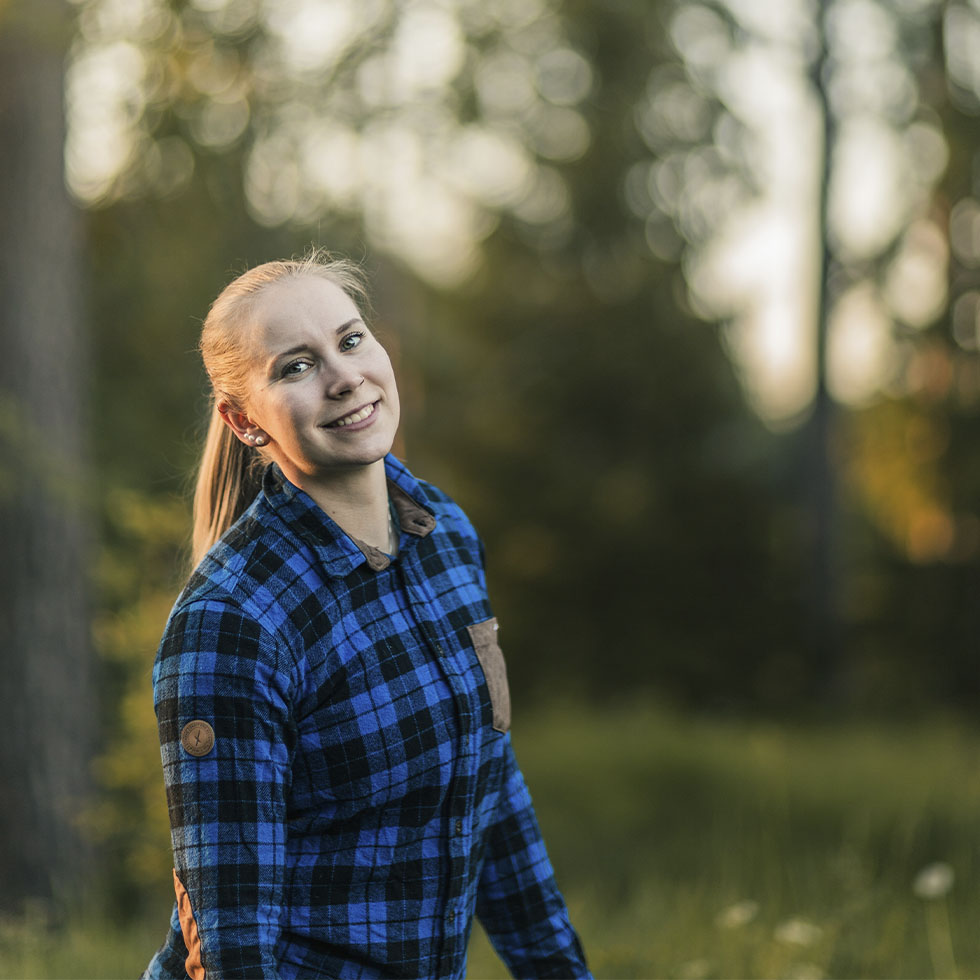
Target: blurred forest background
(684,300)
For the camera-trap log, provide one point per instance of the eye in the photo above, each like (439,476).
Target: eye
(352,340)
(294,368)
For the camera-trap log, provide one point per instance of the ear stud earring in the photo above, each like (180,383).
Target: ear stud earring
(259,440)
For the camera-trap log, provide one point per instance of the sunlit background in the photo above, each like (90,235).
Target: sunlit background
(684,299)
(359,108)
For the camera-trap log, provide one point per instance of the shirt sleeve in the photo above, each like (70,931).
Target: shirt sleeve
(227,804)
(518,902)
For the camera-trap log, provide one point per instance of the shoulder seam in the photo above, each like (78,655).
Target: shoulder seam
(214,593)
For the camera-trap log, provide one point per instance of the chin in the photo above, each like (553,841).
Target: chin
(368,456)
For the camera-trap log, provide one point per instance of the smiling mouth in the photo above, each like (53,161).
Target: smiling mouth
(359,416)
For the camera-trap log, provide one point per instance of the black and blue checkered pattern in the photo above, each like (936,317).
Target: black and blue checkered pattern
(357,808)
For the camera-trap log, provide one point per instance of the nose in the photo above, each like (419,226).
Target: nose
(342,379)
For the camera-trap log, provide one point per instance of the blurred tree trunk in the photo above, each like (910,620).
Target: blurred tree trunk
(46,683)
(823,503)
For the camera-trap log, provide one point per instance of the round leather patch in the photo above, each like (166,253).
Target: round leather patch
(197,737)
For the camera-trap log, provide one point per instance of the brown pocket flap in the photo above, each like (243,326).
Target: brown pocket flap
(484,638)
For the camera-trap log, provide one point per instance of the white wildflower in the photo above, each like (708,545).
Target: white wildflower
(934,880)
(737,915)
(799,932)
(694,970)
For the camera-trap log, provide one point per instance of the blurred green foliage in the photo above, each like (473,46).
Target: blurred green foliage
(142,552)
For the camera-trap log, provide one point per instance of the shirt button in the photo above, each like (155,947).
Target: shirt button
(459,826)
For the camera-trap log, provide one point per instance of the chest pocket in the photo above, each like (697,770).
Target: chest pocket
(484,638)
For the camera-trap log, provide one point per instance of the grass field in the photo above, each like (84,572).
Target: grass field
(699,848)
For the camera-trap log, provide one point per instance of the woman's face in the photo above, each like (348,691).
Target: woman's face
(321,389)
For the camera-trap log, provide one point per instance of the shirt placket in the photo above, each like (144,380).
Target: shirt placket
(428,616)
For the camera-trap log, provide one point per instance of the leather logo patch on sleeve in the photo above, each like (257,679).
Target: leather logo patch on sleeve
(197,737)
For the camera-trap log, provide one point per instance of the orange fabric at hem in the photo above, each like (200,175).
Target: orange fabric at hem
(188,926)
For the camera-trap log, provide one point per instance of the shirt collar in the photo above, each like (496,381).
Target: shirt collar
(338,552)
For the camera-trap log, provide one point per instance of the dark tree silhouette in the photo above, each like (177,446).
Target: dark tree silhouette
(46,687)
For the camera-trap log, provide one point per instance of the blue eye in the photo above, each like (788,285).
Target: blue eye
(295,368)
(351,341)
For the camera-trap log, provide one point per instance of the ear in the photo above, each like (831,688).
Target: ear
(239,423)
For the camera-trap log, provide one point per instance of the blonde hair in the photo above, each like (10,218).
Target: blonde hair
(229,473)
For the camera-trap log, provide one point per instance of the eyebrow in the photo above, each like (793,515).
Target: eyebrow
(299,348)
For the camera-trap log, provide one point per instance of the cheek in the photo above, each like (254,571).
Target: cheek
(286,415)
(385,373)
(391,387)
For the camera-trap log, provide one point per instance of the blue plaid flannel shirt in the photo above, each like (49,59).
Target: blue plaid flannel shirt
(361,800)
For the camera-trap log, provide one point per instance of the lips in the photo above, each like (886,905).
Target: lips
(359,416)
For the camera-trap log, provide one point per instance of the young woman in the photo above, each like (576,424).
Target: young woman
(332,700)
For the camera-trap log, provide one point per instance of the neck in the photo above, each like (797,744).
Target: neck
(356,500)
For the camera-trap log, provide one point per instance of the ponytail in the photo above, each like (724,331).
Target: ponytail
(228,479)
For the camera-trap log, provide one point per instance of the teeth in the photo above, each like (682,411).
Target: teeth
(356,417)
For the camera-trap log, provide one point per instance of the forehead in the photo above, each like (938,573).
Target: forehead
(299,310)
